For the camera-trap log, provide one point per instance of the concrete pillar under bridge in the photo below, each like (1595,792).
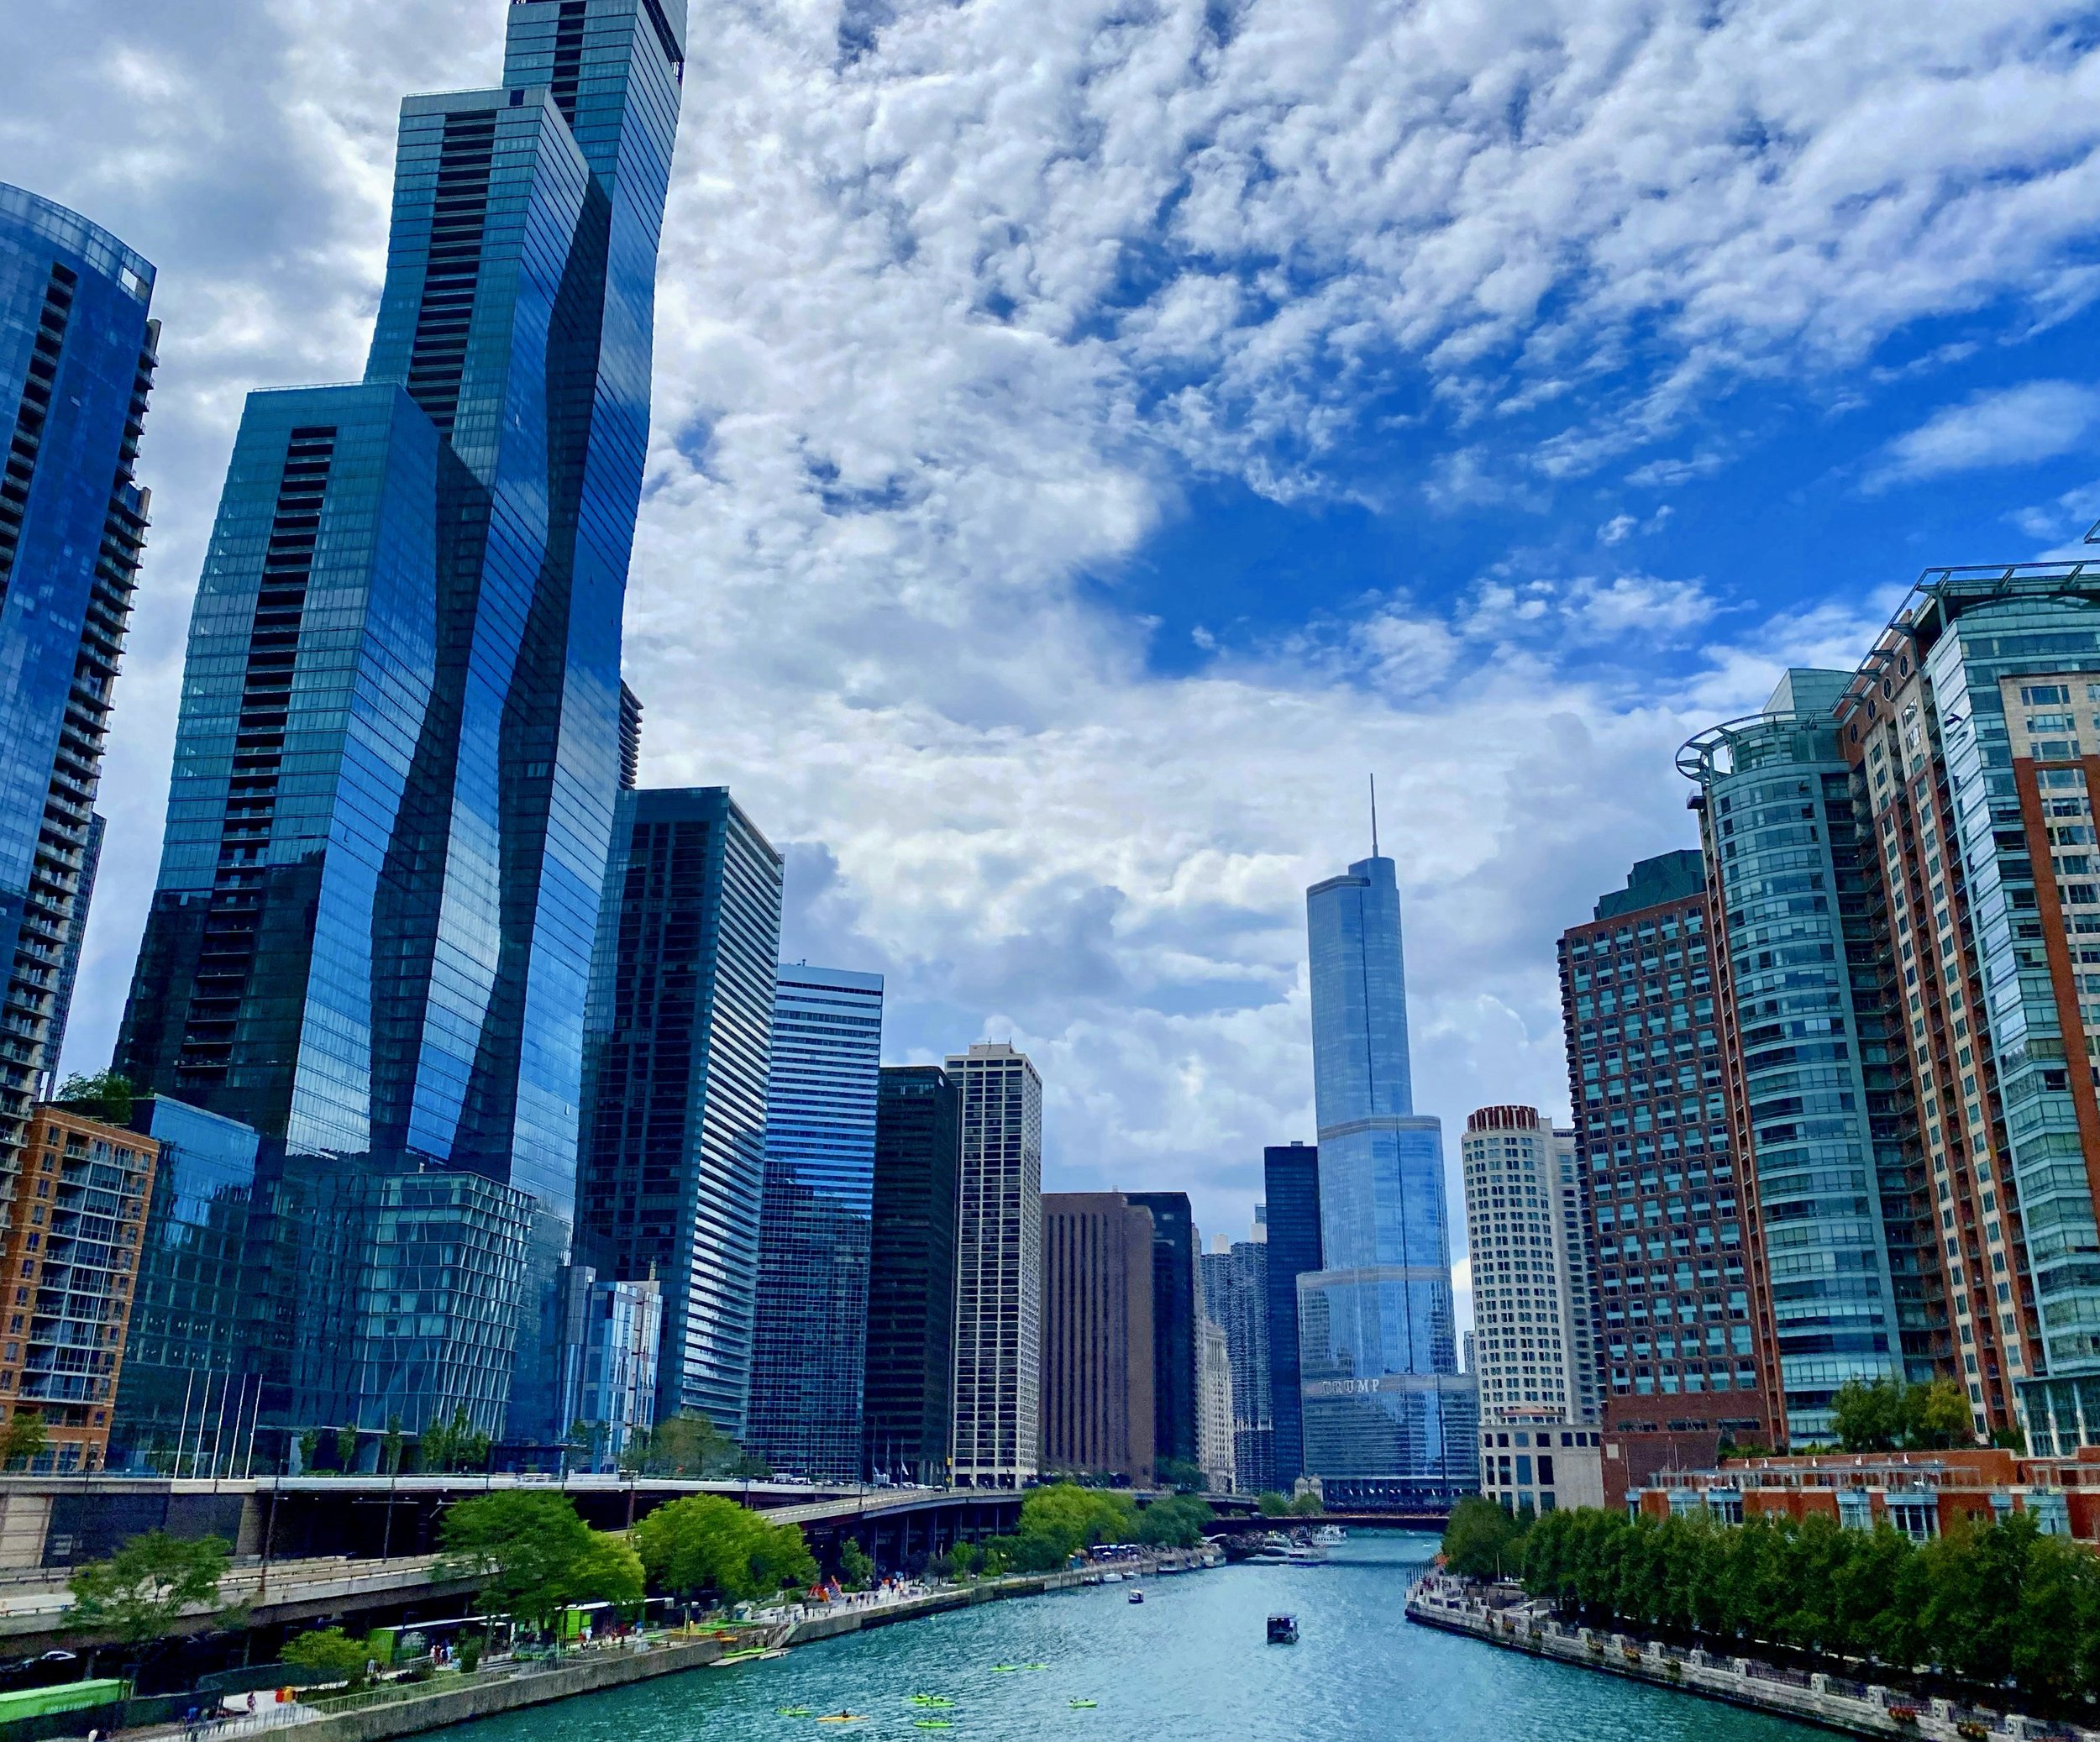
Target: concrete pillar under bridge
(901,1537)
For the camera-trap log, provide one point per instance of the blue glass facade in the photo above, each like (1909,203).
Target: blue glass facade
(1384,1402)
(809,1364)
(1837,1281)
(1175,1312)
(77,361)
(401,732)
(194,1308)
(678,1037)
(1290,1190)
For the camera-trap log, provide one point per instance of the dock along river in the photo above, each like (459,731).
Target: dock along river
(1189,1662)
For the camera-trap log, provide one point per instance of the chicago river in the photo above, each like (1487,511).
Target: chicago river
(1190,1662)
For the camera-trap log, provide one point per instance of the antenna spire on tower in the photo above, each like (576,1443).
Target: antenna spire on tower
(1375,816)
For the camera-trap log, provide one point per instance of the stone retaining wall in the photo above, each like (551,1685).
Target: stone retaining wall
(1829,1701)
(485,1699)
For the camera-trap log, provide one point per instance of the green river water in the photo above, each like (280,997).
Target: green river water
(1189,1662)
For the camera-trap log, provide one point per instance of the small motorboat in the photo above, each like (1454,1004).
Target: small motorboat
(1137,1596)
(1282,1629)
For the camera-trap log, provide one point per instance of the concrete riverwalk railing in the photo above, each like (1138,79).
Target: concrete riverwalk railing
(1833,1701)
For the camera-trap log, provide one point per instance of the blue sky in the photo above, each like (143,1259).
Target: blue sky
(1090,436)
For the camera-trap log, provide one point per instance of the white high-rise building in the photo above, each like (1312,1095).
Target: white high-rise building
(999,1269)
(1534,1342)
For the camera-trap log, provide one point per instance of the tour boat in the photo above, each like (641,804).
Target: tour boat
(1328,1535)
(1282,1629)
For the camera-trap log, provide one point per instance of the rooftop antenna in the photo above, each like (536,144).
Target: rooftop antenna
(1375,816)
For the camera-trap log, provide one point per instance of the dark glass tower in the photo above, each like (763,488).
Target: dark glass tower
(1385,1409)
(1174,1310)
(908,1406)
(399,739)
(810,1360)
(77,360)
(1235,1294)
(678,1038)
(1290,1182)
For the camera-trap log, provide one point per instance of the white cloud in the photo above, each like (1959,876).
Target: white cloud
(949,319)
(2005,427)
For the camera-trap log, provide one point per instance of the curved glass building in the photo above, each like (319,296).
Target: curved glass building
(1388,1420)
(400,742)
(77,361)
(1836,1275)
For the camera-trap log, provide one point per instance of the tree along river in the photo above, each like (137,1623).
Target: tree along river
(1189,1662)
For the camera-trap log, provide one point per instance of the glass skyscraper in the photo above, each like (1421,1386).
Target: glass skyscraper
(908,1406)
(1388,1419)
(77,361)
(1290,1190)
(809,1363)
(1177,1330)
(1837,1233)
(678,1037)
(400,737)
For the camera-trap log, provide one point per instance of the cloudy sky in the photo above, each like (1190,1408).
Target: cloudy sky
(1091,435)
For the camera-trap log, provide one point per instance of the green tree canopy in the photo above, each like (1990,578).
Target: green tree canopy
(1989,1603)
(706,1542)
(455,1445)
(856,1570)
(140,1592)
(1272,1505)
(1176,1522)
(104,1095)
(24,1439)
(534,1555)
(689,1445)
(1889,1416)
(328,1652)
(1483,1541)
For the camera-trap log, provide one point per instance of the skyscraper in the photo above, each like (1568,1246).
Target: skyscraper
(810,1354)
(399,739)
(1290,1187)
(1971,731)
(1214,1407)
(76,362)
(677,1048)
(1839,1218)
(909,1401)
(1389,1420)
(1530,1279)
(1176,1325)
(999,1269)
(1235,1294)
(1097,1337)
(1673,1317)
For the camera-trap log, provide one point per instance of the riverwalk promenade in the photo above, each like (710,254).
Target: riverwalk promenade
(1833,1702)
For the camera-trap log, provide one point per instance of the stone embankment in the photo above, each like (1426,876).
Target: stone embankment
(1833,1701)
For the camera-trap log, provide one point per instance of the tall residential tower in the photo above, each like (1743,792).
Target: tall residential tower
(400,743)
(77,361)
(1678,1360)
(999,1269)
